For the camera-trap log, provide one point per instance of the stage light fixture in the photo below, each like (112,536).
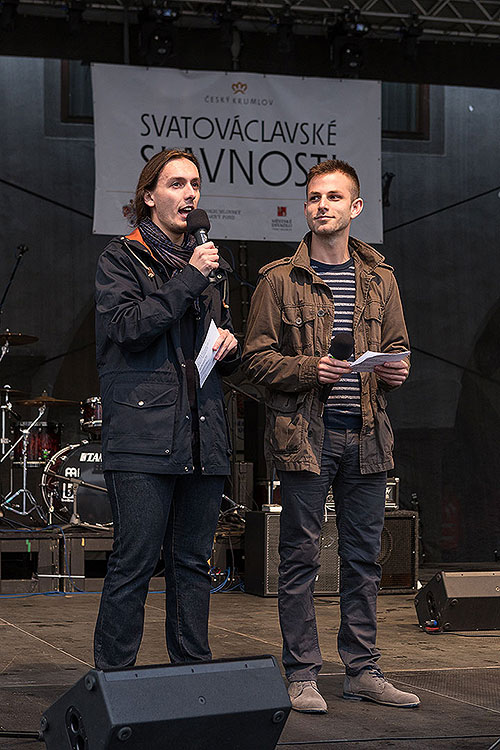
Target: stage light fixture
(346,49)
(409,36)
(284,30)
(157,33)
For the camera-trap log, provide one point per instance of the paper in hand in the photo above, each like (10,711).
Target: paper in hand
(369,359)
(205,360)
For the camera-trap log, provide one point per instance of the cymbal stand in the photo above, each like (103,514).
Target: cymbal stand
(29,503)
(4,349)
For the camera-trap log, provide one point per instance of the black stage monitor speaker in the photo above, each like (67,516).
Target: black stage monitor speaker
(461,601)
(220,705)
(398,556)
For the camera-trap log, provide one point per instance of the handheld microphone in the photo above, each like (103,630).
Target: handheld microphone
(198,224)
(341,347)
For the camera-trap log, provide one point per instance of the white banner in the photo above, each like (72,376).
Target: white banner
(256,136)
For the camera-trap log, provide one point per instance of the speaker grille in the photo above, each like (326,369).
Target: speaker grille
(328,578)
(398,556)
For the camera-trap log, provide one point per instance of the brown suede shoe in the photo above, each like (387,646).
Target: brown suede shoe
(305,696)
(371,685)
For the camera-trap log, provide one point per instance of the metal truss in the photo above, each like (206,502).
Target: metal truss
(446,20)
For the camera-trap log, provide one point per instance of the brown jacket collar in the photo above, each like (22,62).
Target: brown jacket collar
(367,254)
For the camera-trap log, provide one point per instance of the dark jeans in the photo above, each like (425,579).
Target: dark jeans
(151,512)
(359,507)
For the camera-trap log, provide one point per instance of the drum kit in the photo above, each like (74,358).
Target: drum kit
(72,484)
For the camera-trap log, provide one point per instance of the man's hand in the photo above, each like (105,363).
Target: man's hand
(331,370)
(392,373)
(205,258)
(225,343)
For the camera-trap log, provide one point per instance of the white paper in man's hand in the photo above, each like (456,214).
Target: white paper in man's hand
(205,360)
(369,359)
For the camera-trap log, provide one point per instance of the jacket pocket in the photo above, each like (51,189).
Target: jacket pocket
(373,324)
(143,418)
(287,423)
(383,428)
(297,329)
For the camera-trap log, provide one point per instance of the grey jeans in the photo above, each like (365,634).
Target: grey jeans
(359,507)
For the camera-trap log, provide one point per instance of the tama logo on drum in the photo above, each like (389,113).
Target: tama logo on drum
(91,458)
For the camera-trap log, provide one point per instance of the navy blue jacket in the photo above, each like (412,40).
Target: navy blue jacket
(146,412)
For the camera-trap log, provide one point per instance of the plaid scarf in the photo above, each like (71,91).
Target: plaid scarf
(176,256)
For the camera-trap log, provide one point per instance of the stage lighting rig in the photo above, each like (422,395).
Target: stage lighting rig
(409,36)
(284,30)
(345,38)
(157,33)
(230,37)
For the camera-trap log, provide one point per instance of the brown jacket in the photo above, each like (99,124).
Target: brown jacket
(289,330)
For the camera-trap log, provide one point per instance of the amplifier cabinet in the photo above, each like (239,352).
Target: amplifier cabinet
(398,556)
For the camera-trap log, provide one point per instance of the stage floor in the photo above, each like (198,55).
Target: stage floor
(46,645)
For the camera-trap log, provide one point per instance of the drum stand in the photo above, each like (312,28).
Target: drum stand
(29,503)
(75,519)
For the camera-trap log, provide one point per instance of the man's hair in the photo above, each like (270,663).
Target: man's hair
(334,165)
(149,177)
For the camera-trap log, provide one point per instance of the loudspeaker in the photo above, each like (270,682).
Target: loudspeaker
(461,601)
(398,556)
(220,705)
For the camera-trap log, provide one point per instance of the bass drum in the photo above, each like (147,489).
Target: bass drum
(82,461)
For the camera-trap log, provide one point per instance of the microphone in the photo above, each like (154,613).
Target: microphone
(341,347)
(198,224)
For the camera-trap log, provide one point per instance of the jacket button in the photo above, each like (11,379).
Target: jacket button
(186,468)
(321,313)
(187,416)
(203,468)
(140,403)
(183,364)
(167,451)
(298,321)
(202,419)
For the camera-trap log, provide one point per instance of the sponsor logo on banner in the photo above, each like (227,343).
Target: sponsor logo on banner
(281,210)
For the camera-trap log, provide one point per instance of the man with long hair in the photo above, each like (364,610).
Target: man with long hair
(165,439)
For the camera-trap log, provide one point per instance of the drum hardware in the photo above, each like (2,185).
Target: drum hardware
(43,441)
(91,417)
(7,410)
(8,339)
(28,503)
(72,486)
(75,519)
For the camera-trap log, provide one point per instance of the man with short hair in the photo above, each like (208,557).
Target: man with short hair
(333,284)
(165,439)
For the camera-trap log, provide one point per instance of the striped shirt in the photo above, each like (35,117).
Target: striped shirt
(343,408)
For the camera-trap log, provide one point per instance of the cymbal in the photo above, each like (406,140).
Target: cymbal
(45,400)
(16,339)
(13,391)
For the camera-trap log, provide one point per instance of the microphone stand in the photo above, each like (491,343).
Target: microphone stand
(21,250)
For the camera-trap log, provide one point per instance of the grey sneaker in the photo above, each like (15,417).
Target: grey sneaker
(371,685)
(305,697)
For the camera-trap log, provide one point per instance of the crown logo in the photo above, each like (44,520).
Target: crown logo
(239,88)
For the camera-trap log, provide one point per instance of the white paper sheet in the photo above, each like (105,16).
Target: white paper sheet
(369,359)
(205,360)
